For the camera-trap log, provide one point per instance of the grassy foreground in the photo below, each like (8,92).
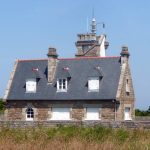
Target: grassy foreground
(74,138)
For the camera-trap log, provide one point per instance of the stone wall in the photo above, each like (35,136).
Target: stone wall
(112,124)
(15,110)
(126,99)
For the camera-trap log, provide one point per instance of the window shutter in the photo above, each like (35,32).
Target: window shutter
(93,84)
(31,85)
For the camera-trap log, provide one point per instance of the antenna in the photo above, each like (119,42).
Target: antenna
(93,25)
(87,24)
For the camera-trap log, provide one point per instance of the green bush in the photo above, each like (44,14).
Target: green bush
(1,105)
(139,112)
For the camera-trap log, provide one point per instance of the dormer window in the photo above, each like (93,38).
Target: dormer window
(62,85)
(31,85)
(93,84)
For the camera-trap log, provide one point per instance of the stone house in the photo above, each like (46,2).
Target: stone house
(90,86)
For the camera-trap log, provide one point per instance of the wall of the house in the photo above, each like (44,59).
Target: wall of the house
(16,109)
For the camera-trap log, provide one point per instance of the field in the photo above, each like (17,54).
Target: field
(74,138)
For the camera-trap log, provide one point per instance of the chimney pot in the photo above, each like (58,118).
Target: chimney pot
(52,52)
(125,52)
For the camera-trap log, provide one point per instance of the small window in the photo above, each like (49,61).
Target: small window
(127,87)
(127,113)
(62,85)
(93,84)
(29,114)
(31,86)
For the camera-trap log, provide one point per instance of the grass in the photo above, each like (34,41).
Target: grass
(74,138)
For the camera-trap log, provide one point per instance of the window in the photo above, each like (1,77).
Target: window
(60,114)
(127,87)
(31,86)
(29,114)
(93,84)
(92,113)
(62,85)
(127,113)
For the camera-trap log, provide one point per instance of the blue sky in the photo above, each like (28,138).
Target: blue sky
(29,27)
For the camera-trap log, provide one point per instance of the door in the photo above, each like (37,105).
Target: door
(60,114)
(127,113)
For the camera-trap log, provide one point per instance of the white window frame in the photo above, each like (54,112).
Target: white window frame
(99,113)
(90,86)
(53,118)
(62,85)
(29,83)
(30,114)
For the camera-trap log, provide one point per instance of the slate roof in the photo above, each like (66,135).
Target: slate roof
(108,68)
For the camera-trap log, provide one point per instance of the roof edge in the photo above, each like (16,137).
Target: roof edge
(77,58)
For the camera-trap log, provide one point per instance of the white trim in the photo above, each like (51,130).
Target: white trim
(31,116)
(60,86)
(31,85)
(93,84)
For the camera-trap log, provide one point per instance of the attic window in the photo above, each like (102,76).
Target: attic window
(62,85)
(31,85)
(93,84)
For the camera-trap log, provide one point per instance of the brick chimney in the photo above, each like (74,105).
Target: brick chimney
(124,54)
(52,63)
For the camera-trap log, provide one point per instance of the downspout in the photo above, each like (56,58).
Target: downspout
(114,101)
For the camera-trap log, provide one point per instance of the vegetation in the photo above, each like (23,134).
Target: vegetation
(139,112)
(74,138)
(1,105)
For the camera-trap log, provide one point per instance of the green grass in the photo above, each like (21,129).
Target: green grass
(72,137)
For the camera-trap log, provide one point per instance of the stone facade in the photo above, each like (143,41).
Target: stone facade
(52,64)
(124,97)
(43,109)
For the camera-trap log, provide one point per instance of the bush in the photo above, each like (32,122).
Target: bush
(1,105)
(139,112)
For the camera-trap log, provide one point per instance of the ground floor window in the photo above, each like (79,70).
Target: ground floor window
(92,113)
(29,114)
(127,113)
(60,114)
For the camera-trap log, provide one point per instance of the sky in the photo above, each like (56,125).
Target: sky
(29,27)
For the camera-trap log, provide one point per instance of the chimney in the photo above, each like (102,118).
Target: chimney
(124,54)
(52,63)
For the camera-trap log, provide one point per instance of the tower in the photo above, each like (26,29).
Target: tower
(91,44)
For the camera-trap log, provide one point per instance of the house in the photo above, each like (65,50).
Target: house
(90,86)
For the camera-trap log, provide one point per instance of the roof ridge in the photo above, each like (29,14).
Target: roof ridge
(77,58)
(88,57)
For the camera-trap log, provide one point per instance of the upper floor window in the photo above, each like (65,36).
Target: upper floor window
(93,84)
(31,85)
(127,87)
(62,85)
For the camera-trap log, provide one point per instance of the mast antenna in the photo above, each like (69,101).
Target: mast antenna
(93,25)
